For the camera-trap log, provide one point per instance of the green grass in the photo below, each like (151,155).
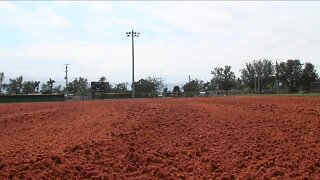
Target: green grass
(305,94)
(293,94)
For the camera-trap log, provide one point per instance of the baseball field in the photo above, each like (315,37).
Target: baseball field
(183,138)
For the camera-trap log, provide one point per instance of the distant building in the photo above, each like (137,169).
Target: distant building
(315,86)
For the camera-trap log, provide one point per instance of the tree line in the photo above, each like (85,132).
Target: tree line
(261,76)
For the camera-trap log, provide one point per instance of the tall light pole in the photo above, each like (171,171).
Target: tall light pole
(67,93)
(132,34)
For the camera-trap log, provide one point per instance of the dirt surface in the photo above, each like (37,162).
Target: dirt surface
(196,138)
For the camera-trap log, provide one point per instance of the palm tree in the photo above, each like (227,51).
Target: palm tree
(50,84)
(102,79)
(37,84)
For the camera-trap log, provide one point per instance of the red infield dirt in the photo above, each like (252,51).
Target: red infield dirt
(196,138)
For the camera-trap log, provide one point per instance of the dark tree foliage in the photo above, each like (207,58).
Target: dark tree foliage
(50,84)
(290,74)
(176,89)
(121,88)
(308,76)
(209,86)
(1,81)
(45,89)
(165,90)
(37,84)
(102,79)
(15,86)
(48,88)
(258,70)
(149,85)
(79,86)
(29,87)
(194,85)
(57,89)
(248,76)
(260,74)
(239,84)
(108,88)
(144,86)
(224,78)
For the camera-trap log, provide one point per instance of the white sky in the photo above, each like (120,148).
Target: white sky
(177,39)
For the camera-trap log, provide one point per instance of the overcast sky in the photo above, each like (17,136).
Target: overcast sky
(177,38)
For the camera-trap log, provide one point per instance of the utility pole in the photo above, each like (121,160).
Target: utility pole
(189,79)
(67,93)
(132,34)
(255,83)
(259,88)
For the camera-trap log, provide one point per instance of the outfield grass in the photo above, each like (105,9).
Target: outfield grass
(293,94)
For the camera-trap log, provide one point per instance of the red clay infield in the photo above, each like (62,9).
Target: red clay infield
(196,138)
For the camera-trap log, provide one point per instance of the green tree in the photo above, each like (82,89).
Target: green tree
(308,76)
(107,85)
(50,84)
(248,76)
(37,84)
(149,85)
(121,88)
(224,78)
(194,85)
(263,70)
(29,87)
(176,89)
(239,84)
(45,89)
(290,73)
(15,86)
(157,82)
(79,86)
(165,92)
(209,86)
(57,89)
(102,79)
(1,81)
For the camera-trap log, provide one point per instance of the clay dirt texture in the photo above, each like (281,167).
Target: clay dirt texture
(170,138)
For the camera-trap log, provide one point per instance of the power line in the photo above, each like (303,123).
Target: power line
(132,34)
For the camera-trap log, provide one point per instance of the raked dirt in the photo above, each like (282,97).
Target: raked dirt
(189,138)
